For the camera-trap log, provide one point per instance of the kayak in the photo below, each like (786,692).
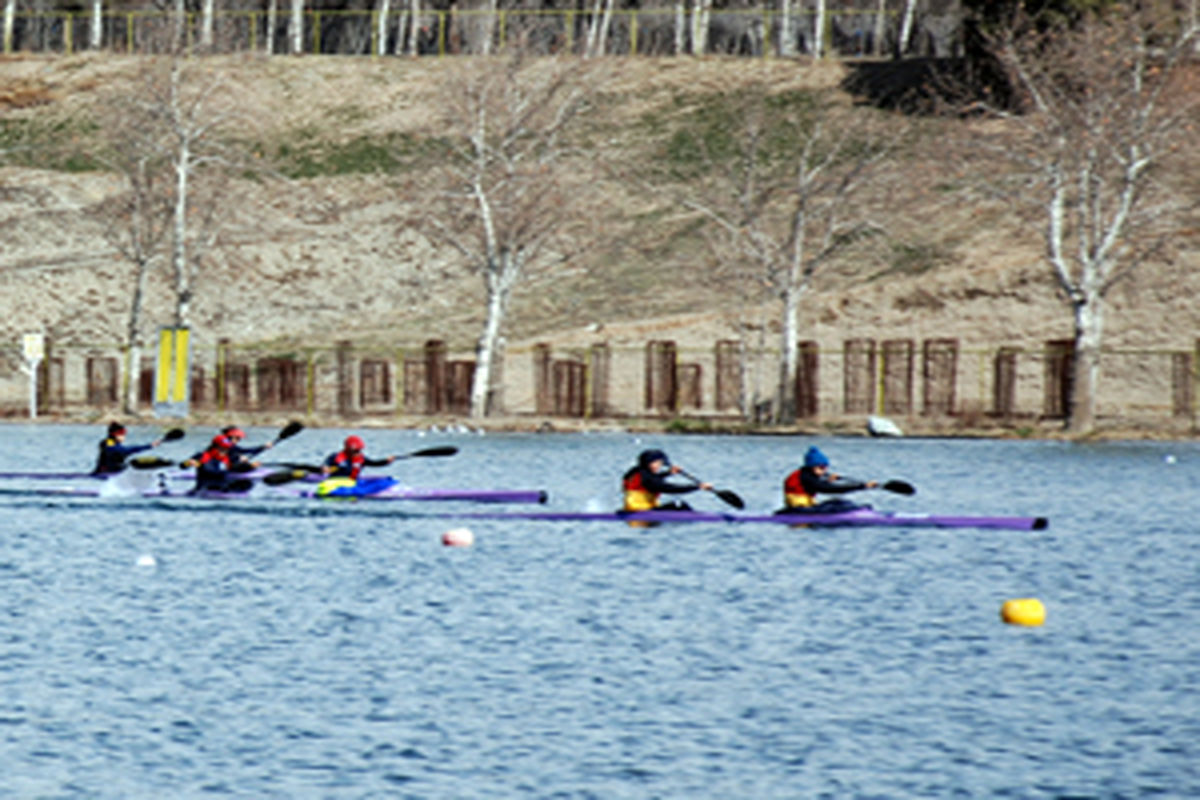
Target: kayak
(395,493)
(859,517)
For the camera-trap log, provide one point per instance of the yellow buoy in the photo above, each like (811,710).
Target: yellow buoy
(1023,611)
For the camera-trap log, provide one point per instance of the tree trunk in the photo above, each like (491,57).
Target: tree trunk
(382,28)
(680,23)
(819,31)
(1085,374)
(297,27)
(272,22)
(133,352)
(500,280)
(700,14)
(786,39)
(880,28)
(207,12)
(414,28)
(179,261)
(797,282)
(906,26)
(96,34)
(10,15)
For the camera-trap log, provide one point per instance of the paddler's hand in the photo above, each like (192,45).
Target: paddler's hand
(705,486)
(872,484)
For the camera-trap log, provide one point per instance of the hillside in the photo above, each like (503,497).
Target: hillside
(314,259)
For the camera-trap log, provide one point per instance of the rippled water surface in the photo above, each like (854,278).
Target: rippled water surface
(290,650)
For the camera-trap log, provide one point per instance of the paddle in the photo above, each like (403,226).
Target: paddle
(158,462)
(725,494)
(289,430)
(296,472)
(899,487)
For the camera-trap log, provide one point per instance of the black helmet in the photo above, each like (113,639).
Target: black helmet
(648,457)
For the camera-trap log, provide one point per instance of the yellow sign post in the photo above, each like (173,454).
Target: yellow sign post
(171,372)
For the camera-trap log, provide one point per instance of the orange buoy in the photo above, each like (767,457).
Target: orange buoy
(1027,611)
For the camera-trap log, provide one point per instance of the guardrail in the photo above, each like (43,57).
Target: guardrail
(936,381)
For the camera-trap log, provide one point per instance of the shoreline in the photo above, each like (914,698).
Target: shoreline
(847,427)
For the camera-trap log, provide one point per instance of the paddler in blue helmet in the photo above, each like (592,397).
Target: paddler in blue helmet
(645,482)
(114,452)
(800,488)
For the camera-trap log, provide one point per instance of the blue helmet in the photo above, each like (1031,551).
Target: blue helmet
(815,458)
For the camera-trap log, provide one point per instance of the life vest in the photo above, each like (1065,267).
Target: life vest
(794,493)
(108,461)
(637,496)
(348,466)
(216,457)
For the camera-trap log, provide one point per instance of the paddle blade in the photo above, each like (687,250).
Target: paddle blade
(431,451)
(150,462)
(173,435)
(289,430)
(730,497)
(899,487)
(286,476)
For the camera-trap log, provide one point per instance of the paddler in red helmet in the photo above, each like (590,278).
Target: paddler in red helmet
(239,455)
(215,468)
(349,461)
(645,482)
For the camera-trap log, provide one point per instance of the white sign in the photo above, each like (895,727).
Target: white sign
(34,345)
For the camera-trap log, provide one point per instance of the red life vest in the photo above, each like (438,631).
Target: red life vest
(794,493)
(637,496)
(348,465)
(217,453)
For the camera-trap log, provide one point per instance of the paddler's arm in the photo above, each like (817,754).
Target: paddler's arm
(838,484)
(660,485)
(378,462)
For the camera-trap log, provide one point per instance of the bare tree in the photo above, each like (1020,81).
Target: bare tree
(136,223)
(776,179)
(159,134)
(1087,161)
(503,198)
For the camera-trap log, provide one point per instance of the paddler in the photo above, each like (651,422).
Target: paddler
(349,461)
(242,457)
(114,452)
(644,483)
(214,468)
(801,487)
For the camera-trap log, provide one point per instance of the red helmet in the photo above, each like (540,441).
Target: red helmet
(233,431)
(222,441)
(354,443)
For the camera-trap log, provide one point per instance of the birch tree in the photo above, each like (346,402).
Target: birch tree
(297,27)
(96,31)
(1088,160)
(504,198)
(10,15)
(185,113)
(775,178)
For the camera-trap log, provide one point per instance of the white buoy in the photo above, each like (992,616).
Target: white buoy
(458,537)
(147,561)
(1170,459)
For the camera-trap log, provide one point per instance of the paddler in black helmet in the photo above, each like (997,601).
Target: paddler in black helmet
(114,452)
(644,483)
(801,487)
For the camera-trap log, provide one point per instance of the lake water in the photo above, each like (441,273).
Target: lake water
(344,652)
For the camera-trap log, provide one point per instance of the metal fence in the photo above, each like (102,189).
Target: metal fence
(935,381)
(753,32)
